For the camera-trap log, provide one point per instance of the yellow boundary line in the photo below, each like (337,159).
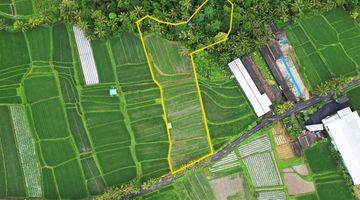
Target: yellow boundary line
(138,24)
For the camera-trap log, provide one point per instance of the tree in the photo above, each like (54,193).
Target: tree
(333,86)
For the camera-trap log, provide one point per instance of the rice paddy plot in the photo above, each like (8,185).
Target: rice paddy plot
(228,112)
(103,63)
(354,96)
(13,50)
(70,180)
(335,37)
(40,51)
(7,8)
(50,119)
(184,113)
(62,51)
(23,7)
(141,97)
(320,158)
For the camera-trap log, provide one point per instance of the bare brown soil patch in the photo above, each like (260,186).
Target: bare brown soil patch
(228,186)
(296,185)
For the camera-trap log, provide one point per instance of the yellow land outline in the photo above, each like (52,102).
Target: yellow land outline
(138,24)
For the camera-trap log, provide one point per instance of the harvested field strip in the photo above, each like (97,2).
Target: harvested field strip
(14,178)
(27,151)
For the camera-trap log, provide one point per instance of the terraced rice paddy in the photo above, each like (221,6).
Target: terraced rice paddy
(326,45)
(182,103)
(227,110)
(85,140)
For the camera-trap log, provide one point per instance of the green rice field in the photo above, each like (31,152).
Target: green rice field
(354,96)
(174,72)
(227,110)
(329,182)
(16,7)
(69,140)
(76,139)
(326,45)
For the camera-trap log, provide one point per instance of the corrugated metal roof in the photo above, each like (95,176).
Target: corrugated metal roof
(344,129)
(260,102)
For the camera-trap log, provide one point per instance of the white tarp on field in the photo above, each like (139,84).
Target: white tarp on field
(260,102)
(344,130)
(27,151)
(86,57)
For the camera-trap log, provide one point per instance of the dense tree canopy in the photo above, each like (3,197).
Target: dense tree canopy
(103,18)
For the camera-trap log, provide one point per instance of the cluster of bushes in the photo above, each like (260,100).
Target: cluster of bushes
(292,126)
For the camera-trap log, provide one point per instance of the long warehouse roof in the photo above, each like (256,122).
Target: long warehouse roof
(344,130)
(260,102)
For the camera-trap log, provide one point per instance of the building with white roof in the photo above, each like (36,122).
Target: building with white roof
(344,130)
(260,102)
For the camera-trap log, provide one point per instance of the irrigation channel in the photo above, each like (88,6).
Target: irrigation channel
(272,119)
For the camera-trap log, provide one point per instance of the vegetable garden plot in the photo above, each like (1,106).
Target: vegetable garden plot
(259,145)
(184,112)
(27,151)
(229,162)
(335,36)
(259,162)
(262,170)
(278,195)
(12,178)
(167,193)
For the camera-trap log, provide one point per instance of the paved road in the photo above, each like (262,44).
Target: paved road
(227,149)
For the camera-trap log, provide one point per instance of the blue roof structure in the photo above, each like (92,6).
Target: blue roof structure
(112,92)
